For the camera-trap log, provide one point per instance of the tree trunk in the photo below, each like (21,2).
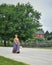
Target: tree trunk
(8,43)
(5,43)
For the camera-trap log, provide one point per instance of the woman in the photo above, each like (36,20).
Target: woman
(16,46)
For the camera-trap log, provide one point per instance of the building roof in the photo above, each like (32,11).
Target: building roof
(40,32)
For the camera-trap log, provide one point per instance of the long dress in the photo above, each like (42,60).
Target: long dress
(16,47)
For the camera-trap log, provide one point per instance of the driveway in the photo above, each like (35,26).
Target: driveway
(32,56)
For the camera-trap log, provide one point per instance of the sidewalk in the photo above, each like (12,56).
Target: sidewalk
(30,56)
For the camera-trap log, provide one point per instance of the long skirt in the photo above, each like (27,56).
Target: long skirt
(16,48)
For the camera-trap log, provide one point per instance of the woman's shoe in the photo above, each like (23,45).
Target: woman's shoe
(18,52)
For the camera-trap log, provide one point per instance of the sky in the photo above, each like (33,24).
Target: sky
(43,6)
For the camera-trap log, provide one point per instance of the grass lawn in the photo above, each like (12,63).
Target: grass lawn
(6,61)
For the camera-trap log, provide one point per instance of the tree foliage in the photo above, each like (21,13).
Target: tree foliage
(20,19)
(48,35)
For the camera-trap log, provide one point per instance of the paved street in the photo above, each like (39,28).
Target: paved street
(32,56)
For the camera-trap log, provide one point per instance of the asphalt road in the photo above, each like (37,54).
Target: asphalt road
(32,56)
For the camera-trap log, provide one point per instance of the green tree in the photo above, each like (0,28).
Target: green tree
(6,12)
(20,19)
(46,34)
(49,37)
